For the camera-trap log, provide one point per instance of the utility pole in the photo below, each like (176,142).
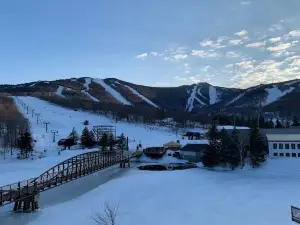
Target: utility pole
(37,117)
(27,109)
(32,112)
(47,123)
(54,132)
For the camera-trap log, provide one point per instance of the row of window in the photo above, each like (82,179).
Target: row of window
(286,146)
(286,154)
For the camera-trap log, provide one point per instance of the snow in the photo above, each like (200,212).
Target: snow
(90,96)
(197,196)
(64,120)
(242,95)
(199,93)
(112,92)
(213,97)
(141,96)
(32,85)
(59,91)
(192,98)
(87,83)
(229,127)
(275,93)
(292,82)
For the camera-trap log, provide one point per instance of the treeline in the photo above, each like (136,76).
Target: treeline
(14,129)
(230,150)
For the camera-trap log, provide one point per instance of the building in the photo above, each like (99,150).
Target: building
(172,145)
(193,152)
(283,145)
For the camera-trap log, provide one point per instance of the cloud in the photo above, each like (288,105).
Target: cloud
(246,64)
(206,43)
(142,56)
(233,54)
(295,33)
(274,40)
(228,66)
(205,54)
(194,79)
(241,33)
(180,56)
(213,44)
(180,78)
(275,27)
(205,68)
(280,47)
(235,42)
(154,53)
(246,2)
(256,45)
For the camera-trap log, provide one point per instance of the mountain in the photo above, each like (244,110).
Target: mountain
(195,98)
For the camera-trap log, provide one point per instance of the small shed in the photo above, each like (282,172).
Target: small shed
(193,152)
(172,145)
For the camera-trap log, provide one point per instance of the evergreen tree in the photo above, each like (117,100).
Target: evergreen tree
(234,154)
(211,154)
(257,147)
(74,135)
(295,121)
(85,137)
(223,150)
(104,141)
(25,144)
(278,124)
(92,140)
(122,142)
(110,141)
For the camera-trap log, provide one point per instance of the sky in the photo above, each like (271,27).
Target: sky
(231,43)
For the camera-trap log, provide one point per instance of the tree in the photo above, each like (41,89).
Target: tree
(257,147)
(278,124)
(224,155)
(236,150)
(25,144)
(295,121)
(92,138)
(122,142)
(110,141)
(211,154)
(86,122)
(85,137)
(109,216)
(74,135)
(104,141)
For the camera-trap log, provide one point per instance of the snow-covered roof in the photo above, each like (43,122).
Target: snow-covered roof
(185,142)
(283,137)
(228,127)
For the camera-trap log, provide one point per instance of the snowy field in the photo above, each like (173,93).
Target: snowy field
(196,196)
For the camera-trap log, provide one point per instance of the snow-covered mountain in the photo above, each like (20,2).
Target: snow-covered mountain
(196,98)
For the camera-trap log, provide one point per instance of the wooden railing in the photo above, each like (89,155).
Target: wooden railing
(66,171)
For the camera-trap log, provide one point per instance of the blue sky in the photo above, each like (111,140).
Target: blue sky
(237,43)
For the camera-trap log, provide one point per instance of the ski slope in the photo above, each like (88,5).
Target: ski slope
(275,93)
(142,96)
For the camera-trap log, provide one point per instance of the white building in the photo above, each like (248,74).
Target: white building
(284,145)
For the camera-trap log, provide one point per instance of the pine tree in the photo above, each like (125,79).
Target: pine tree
(74,135)
(278,124)
(223,150)
(211,154)
(104,141)
(257,147)
(25,144)
(85,137)
(122,142)
(110,141)
(295,121)
(235,154)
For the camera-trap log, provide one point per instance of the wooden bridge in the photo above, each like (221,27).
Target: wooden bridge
(26,194)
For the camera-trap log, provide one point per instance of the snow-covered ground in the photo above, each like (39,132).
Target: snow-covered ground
(63,120)
(197,196)
(275,93)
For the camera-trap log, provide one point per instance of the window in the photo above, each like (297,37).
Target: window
(293,154)
(293,146)
(287,146)
(275,154)
(298,146)
(298,154)
(280,146)
(287,154)
(274,146)
(281,154)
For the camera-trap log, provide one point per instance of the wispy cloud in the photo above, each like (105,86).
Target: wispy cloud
(241,33)
(274,40)
(142,56)
(154,53)
(246,2)
(214,44)
(205,54)
(180,56)
(256,44)
(233,54)
(275,27)
(295,33)
(235,42)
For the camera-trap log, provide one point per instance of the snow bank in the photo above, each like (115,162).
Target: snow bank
(112,92)
(275,93)
(195,196)
(141,96)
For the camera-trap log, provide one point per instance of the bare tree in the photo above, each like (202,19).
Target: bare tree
(109,215)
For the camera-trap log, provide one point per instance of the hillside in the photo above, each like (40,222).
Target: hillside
(195,98)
